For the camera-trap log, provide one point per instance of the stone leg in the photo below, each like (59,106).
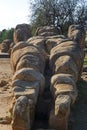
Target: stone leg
(58,119)
(21,114)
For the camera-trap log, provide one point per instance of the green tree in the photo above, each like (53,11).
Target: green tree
(60,13)
(6,34)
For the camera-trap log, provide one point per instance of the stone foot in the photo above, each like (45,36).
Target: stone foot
(59,115)
(21,114)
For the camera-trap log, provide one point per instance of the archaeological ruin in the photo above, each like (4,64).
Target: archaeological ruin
(45,70)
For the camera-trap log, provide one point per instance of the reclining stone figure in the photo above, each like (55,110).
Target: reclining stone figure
(28,61)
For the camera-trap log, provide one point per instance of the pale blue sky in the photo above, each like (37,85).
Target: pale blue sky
(13,12)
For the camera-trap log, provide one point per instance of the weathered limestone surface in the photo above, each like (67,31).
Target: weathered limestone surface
(21,114)
(47,31)
(22,32)
(77,33)
(69,48)
(65,64)
(52,41)
(6,46)
(28,63)
(66,61)
(31,55)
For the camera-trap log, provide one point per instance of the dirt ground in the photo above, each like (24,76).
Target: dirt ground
(78,116)
(5,93)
